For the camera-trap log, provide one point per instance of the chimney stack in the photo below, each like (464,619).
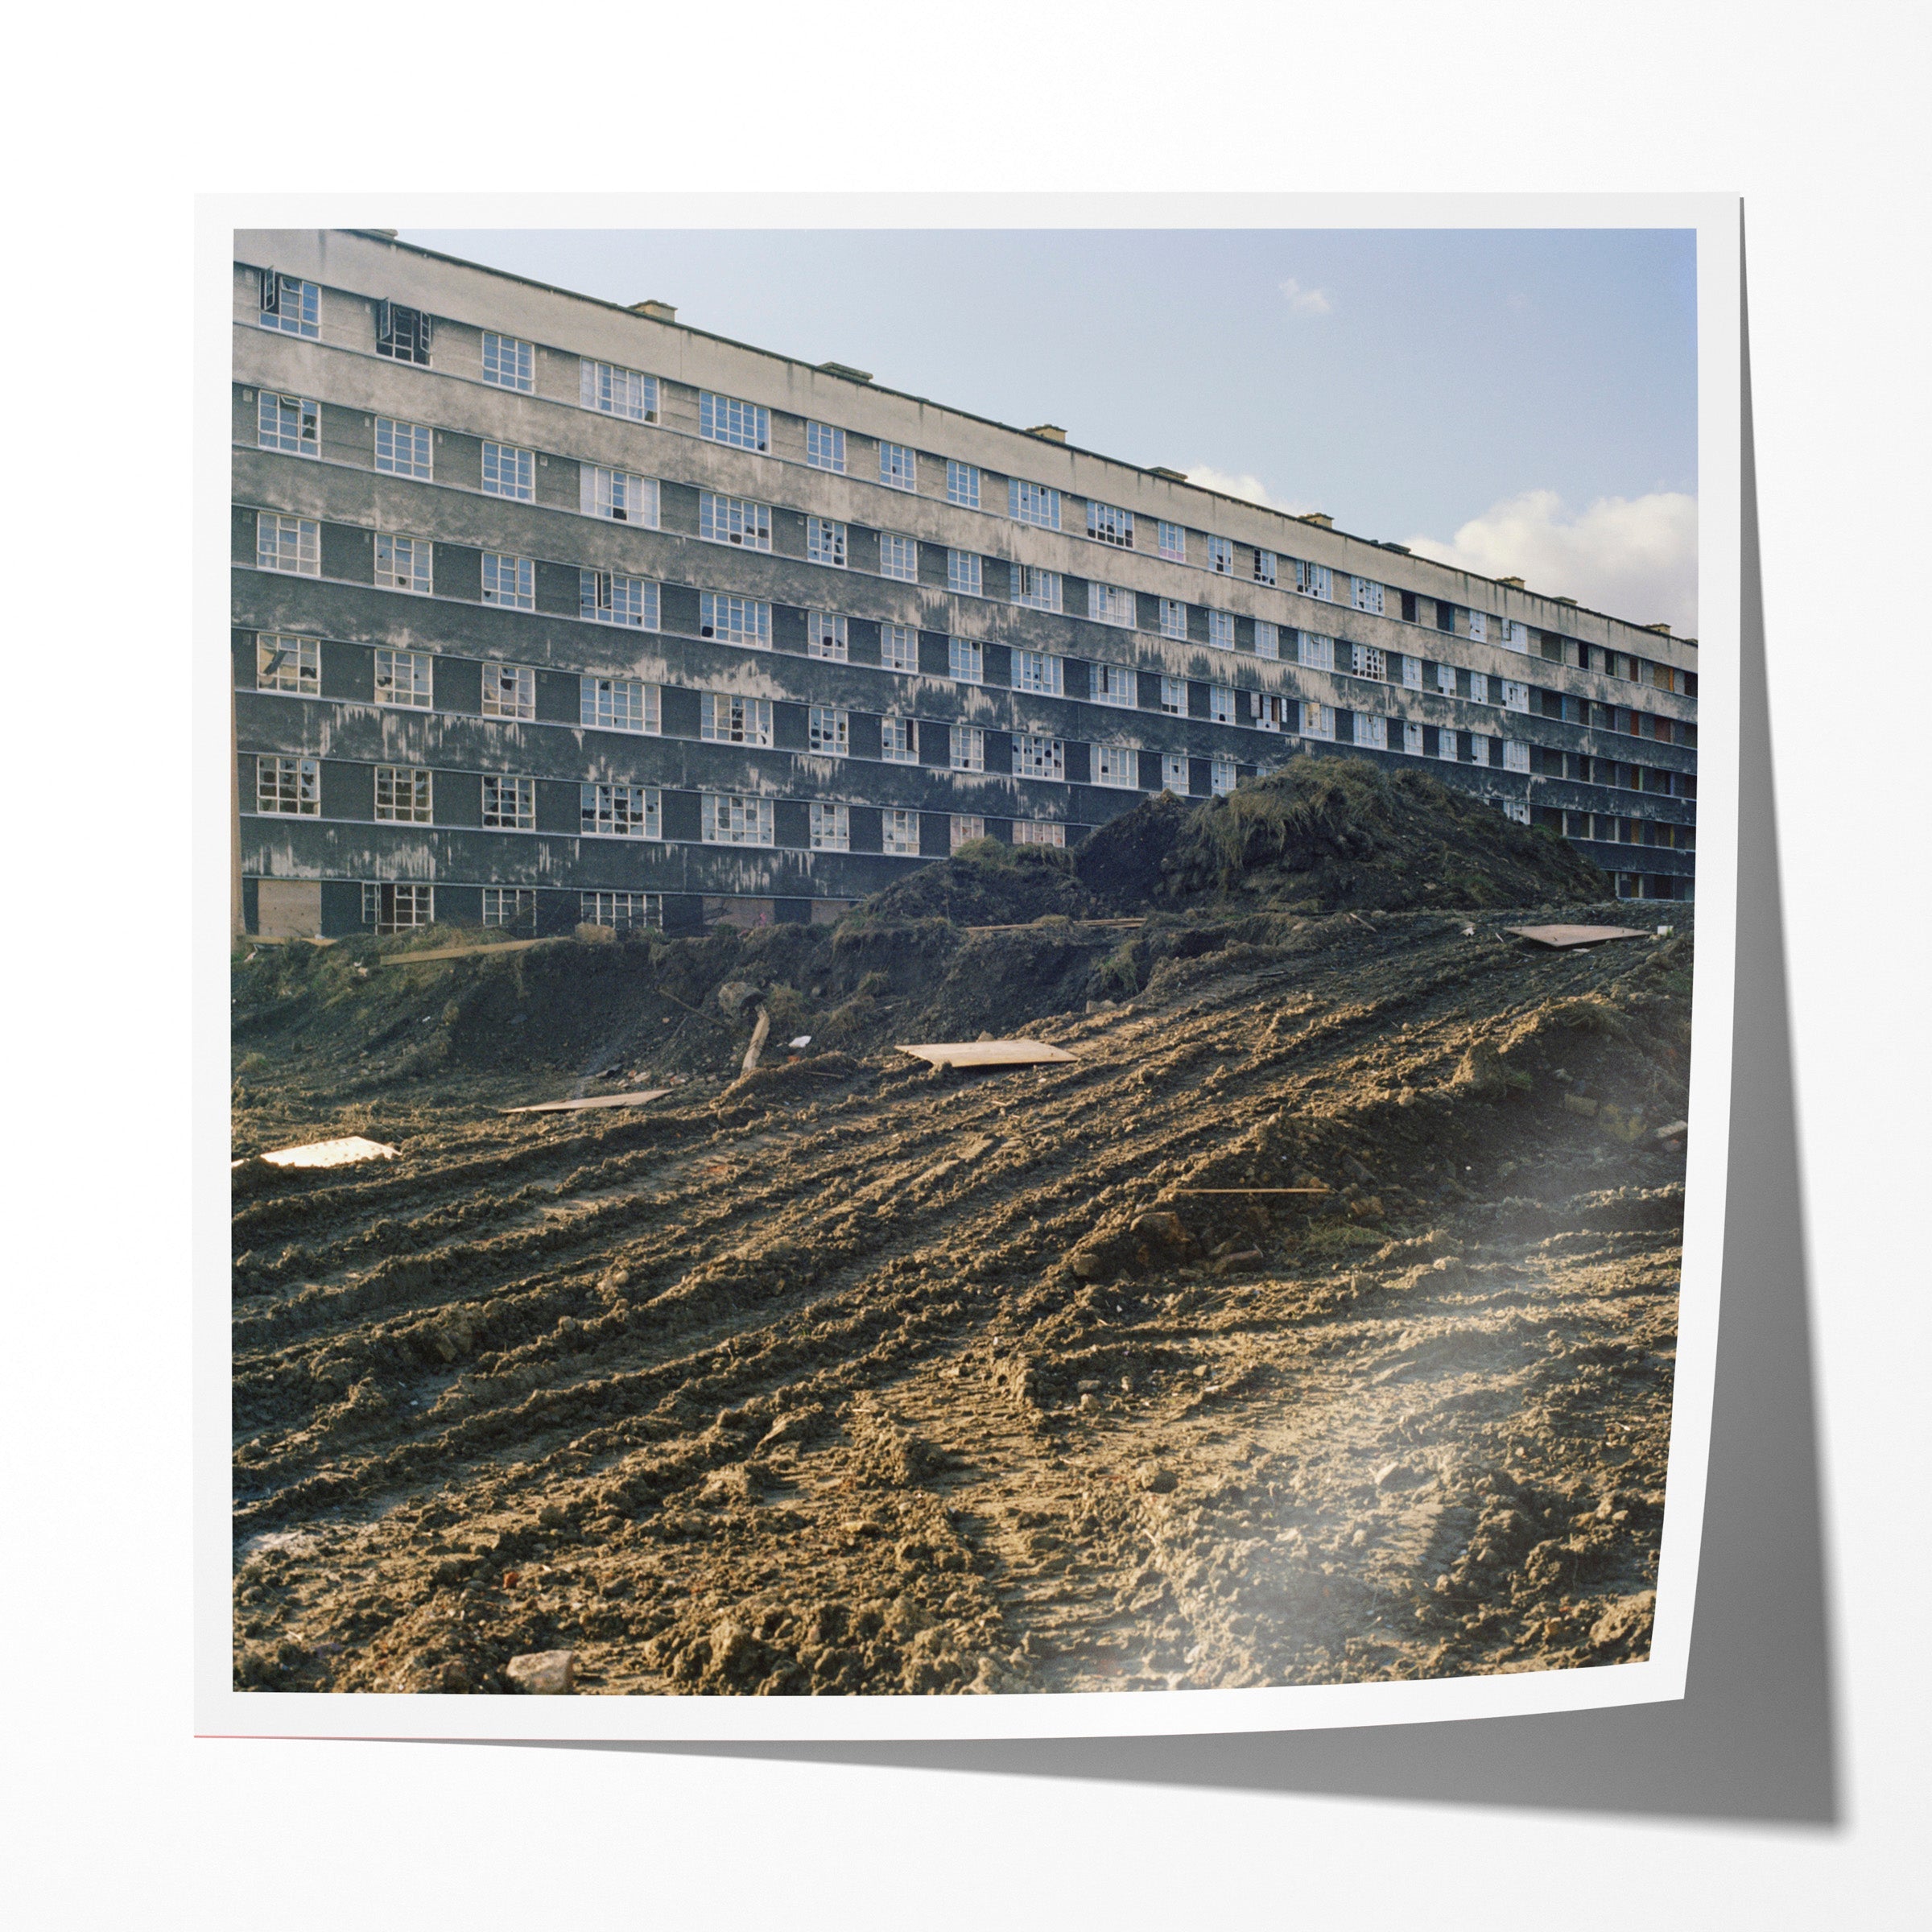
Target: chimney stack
(654,310)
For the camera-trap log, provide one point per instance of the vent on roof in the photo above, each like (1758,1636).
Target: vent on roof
(1320,518)
(1048,432)
(846,370)
(1172,476)
(1571,602)
(1514,583)
(389,233)
(1400,549)
(1661,629)
(654,310)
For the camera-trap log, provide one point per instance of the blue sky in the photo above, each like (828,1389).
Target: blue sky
(1522,400)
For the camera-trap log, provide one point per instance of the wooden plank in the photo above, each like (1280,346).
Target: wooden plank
(1561,936)
(458,953)
(989,1053)
(636,1099)
(331,1153)
(1250,1191)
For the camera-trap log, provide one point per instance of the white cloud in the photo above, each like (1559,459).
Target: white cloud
(1250,488)
(1632,557)
(1306,301)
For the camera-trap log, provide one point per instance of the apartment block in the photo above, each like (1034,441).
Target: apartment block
(548,611)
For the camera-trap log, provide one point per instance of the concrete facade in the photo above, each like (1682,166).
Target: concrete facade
(440,710)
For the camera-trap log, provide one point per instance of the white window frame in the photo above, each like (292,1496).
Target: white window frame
(1445,680)
(1479,626)
(828,826)
(1479,687)
(1108,523)
(509,362)
(1035,503)
(1367,595)
(410,790)
(522,573)
(1117,766)
(1516,754)
(410,907)
(1174,619)
(1412,739)
(1447,747)
(730,619)
(1313,651)
(1038,756)
(1267,567)
(618,496)
(731,818)
(964,827)
(1220,704)
(1271,711)
(1036,588)
(733,422)
(307,320)
(510,906)
(827,542)
(1220,629)
(966,661)
(829,731)
(621,911)
(733,520)
(1315,581)
(391,343)
(962,483)
(1317,721)
(728,717)
(965,573)
(825,448)
(1517,809)
(605,597)
(288,787)
(898,647)
(619,704)
(1039,672)
(419,579)
(899,740)
(826,637)
(1174,697)
(898,467)
(1369,661)
(899,832)
(1221,556)
(1267,640)
(1222,775)
(1479,749)
(1114,684)
(510,691)
(898,556)
(509,472)
(1412,674)
(410,452)
(1371,732)
(1516,636)
(404,678)
(613,390)
(1111,603)
(966,748)
(1040,831)
(1172,541)
(298,539)
(1516,695)
(607,809)
(1173,774)
(289,664)
(514,808)
(275,412)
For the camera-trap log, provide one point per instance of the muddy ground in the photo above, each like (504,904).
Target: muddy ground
(856,1377)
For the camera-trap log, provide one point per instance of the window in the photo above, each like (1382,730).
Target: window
(825,541)
(1037,671)
(1037,832)
(1367,595)
(294,307)
(829,731)
(962,485)
(403,794)
(1116,766)
(1517,809)
(510,581)
(398,908)
(402,677)
(509,363)
(732,520)
(292,424)
(1317,653)
(1445,745)
(1479,749)
(1317,721)
(966,750)
(404,563)
(734,620)
(724,820)
(1445,680)
(1516,755)
(899,557)
(1479,687)
(1515,696)
(1110,604)
(1038,757)
(619,704)
(1039,589)
(1220,776)
(604,597)
(1412,739)
(965,827)
(1221,556)
(825,449)
(1267,640)
(1032,503)
(402,334)
(1374,732)
(1173,773)
(1174,697)
(1220,704)
(1365,661)
(899,832)
(510,804)
(619,812)
(290,543)
(825,637)
(1314,580)
(512,905)
(617,392)
(899,741)
(1271,710)
(621,911)
(830,826)
(1105,524)
(1174,619)
(289,785)
(509,472)
(1113,684)
(725,419)
(724,718)
(618,495)
(509,691)
(898,647)
(290,664)
(1412,674)
(962,573)
(1173,543)
(966,661)
(1220,629)
(898,467)
(402,449)
(1516,636)
(1267,566)
(1478,625)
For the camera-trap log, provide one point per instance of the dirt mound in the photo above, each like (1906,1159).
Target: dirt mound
(1330,834)
(985,883)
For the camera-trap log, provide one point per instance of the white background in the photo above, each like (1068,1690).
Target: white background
(120,1817)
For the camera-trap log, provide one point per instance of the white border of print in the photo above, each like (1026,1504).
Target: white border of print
(219,1709)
